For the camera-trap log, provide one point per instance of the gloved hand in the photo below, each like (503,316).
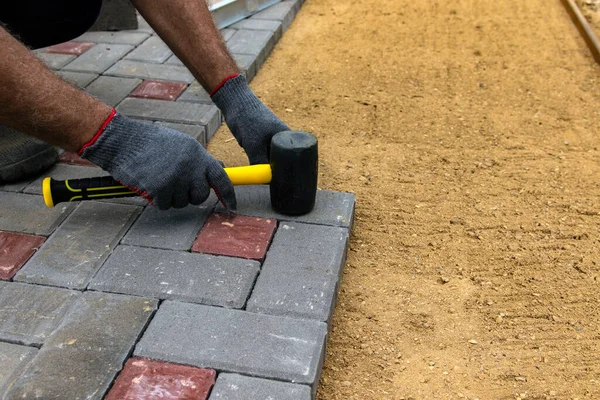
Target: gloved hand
(250,121)
(167,167)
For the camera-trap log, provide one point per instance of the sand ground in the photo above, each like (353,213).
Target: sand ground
(469,132)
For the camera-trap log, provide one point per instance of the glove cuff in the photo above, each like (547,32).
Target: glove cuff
(100,131)
(234,95)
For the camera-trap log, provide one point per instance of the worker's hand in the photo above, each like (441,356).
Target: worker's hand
(167,167)
(250,121)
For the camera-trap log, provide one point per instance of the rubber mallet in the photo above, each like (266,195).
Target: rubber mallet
(291,175)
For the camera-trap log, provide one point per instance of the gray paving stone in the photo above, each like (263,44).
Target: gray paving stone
(15,186)
(138,69)
(30,313)
(260,25)
(247,64)
(132,38)
(173,60)
(81,358)
(211,117)
(252,42)
(13,359)
(55,61)
(26,213)
(99,58)
(177,275)
(64,171)
(301,272)
(198,132)
(143,26)
(153,50)
(74,253)
(236,341)
(195,93)
(240,387)
(174,229)
(331,208)
(170,111)
(112,90)
(227,33)
(284,12)
(79,79)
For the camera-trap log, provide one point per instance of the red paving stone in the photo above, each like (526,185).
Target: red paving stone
(75,48)
(72,158)
(144,379)
(15,250)
(160,90)
(235,236)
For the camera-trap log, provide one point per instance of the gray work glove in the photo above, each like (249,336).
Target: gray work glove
(167,167)
(248,119)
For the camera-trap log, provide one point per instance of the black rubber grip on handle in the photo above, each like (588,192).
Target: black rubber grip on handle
(104,187)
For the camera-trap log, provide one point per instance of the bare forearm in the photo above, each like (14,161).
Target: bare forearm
(188,29)
(37,102)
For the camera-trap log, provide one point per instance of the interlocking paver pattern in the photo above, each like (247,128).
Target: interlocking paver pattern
(117,277)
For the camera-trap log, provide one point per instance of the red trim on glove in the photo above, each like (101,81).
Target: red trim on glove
(220,85)
(97,135)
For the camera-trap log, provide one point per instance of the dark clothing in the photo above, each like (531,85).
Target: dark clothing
(42,23)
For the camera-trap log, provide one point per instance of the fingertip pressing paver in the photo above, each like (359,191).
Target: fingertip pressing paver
(83,355)
(197,132)
(62,172)
(26,213)
(138,69)
(99,58)
(132,38)
(78,79)
(331,208)
(15,250)
(144,379)
(13,359)
(167,274)
(235,236)
(236,341)
(300,275)
(74,48)
(159,90)
(152,50)
(240,387)
(112,90)
(30,313)
(75,252)
(172,229)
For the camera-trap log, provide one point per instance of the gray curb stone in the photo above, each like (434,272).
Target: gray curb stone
(176,275)
(55,61)
(252,42)
(13,359)
(112,90)
(247,64)
(132,38)
(79,79)
(30,313)
(28,214)
(64,171)
(261,25)
(172,229)
(301,272)
(153,50)
(239,387)
(142,70)
(236,341)
(284,12)
(99,58)
(74,253)
(331,208)
(81,358)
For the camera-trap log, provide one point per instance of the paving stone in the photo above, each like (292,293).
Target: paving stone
(177,275)
(300,275)
(235,236)
(195,93)
(132,38)
(143,26)
(28,214)
(99,58)
(236,341)
(198,132)
(169,111)
(260,25)
(13,359)
(144,379)
(75,252)
(30,313)
(240,387)
(74,48)
(62,172)
(331,208)
(211,117)
(247,64)
(173,60)
(16,249)
(55,61)
(71,158)
(284,12)
(227,33)
(172,229)
(153,50)
(112,90)
(159,90)
(252,42)
(83,355)
(138,69)
(15,186)
(79,79)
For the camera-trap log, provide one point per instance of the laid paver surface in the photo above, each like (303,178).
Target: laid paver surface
(116,299)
